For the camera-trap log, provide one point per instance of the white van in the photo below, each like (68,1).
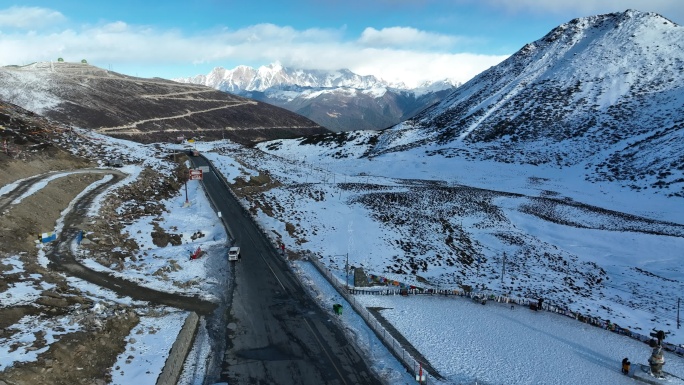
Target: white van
(234,253)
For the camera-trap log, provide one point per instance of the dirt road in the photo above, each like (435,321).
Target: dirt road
(62,258)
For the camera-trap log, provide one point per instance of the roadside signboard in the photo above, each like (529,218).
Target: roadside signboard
(48,237)
(195,174)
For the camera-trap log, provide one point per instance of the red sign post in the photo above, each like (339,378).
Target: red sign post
(196,174)
(193,174)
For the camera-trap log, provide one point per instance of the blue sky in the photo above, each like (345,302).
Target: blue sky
(398,40)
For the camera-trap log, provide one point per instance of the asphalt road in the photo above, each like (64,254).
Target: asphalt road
(276,333)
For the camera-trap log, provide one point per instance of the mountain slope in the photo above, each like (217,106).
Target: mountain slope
(144,110)
(339,100)
(606,92)
(558,174)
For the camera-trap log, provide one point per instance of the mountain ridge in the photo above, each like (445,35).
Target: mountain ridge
(324,96)
(589,89)
(603,94)
(145,110)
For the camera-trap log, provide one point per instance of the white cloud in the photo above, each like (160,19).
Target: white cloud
(403,37)
(29,17)
(412,69)
(669,8)
(116,27)
(395,54)
(270,33)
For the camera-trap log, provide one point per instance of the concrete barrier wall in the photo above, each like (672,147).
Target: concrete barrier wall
(179,351)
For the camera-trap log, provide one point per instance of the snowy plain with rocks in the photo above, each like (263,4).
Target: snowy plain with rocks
(465,341)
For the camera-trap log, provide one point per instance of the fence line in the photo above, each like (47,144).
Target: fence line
(394,346)
(487,296)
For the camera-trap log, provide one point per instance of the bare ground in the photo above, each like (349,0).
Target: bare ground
(89,331)
(83,357)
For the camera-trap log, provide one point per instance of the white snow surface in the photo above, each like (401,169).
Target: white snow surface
(19,348)
(288,84)
(173,262)
(42,98)
(465,341)
(469,343)
(494,344)
(149,343)
(274,77)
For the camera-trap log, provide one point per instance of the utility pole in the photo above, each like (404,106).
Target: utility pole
(346,268)
(503,266)
(678,323)
(186,189)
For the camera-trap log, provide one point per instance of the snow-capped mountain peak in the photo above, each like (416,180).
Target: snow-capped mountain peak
(248,79)
(606,91)
(340,99)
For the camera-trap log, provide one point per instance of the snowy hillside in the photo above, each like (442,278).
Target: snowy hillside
(144,110)
(338,100)
(434,222)
(605,92)
(578,194)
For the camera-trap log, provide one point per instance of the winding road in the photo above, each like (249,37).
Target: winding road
(62,259)
(275,332)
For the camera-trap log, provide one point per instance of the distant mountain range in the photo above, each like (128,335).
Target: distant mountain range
(605,93)
(144,110)
(338,100)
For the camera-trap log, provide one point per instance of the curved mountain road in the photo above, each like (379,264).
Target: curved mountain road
(62,258)
(27,184)
(185,115)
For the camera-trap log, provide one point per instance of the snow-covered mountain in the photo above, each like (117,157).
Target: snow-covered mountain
(244,78)
(338,100)
(145,110)
(603,93)
(559,172)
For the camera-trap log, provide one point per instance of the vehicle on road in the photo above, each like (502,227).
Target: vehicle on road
(234,254)
(114,162)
